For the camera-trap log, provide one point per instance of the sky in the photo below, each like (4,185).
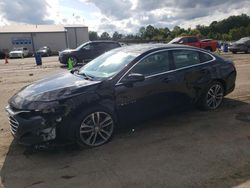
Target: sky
(124,16)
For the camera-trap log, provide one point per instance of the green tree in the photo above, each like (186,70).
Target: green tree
(150,31)
(116,36)
(194,32)
(93,35)
(142,32)
(105,36)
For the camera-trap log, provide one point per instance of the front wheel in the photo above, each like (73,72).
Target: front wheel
(74,61)
(96,128)
(212,98)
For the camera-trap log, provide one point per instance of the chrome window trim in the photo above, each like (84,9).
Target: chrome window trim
(213,58)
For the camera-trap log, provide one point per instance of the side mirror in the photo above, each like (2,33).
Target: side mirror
(133,77)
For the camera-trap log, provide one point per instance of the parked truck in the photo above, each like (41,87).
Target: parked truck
(208,44)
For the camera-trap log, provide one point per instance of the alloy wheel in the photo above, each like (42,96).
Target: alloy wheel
(96,129)
(215,96)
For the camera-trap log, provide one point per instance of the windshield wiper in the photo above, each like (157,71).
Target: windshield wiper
(76,71)
(85,75)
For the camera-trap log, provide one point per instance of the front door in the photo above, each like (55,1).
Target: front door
(153,94)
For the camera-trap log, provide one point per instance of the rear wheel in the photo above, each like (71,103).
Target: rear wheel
(95,128)
(212,97)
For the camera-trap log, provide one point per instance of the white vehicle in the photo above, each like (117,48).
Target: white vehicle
(19,52)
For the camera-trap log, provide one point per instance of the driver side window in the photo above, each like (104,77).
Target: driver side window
(88,47)
(153,64)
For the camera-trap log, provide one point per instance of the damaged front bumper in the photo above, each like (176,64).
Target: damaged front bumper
(29,128)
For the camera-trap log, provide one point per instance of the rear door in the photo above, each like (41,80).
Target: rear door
(106,46)
(101,48)
(152,95)
(193,69)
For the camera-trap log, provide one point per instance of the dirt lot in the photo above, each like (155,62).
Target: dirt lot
(191,149)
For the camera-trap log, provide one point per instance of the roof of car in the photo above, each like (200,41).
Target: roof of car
(108,41)
(142,48)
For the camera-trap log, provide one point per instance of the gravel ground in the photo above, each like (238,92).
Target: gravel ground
(188,149)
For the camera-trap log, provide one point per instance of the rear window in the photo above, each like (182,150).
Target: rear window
(185,58)
(205,57)
(114,45)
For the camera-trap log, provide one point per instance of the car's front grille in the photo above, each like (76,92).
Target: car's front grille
(12,113)
(13,125)
(14,54)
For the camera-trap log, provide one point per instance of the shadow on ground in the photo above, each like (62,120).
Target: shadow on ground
(190,148)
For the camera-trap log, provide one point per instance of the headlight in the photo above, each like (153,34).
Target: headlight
(46,107)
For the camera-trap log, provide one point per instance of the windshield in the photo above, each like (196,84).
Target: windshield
(108,64)
(79,47)
(243,40)
(174,40)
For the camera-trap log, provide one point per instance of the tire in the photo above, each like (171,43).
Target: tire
(212,97)
(234,52)
(95,127)
(74,59)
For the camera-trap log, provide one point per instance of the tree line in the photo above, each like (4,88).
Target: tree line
(230,29)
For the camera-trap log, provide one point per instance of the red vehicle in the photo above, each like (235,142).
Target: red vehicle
(208,44)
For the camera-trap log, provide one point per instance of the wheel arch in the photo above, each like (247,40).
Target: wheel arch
(67,129)
(223,82)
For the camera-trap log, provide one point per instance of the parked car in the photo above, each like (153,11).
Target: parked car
(86,105)
(207,44)
(2,55)
(19,52)
(242,45)
(44,51)
(87,51)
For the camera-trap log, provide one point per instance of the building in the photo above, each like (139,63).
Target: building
(57,37)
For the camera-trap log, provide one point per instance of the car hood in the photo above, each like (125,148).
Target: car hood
(53,88)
